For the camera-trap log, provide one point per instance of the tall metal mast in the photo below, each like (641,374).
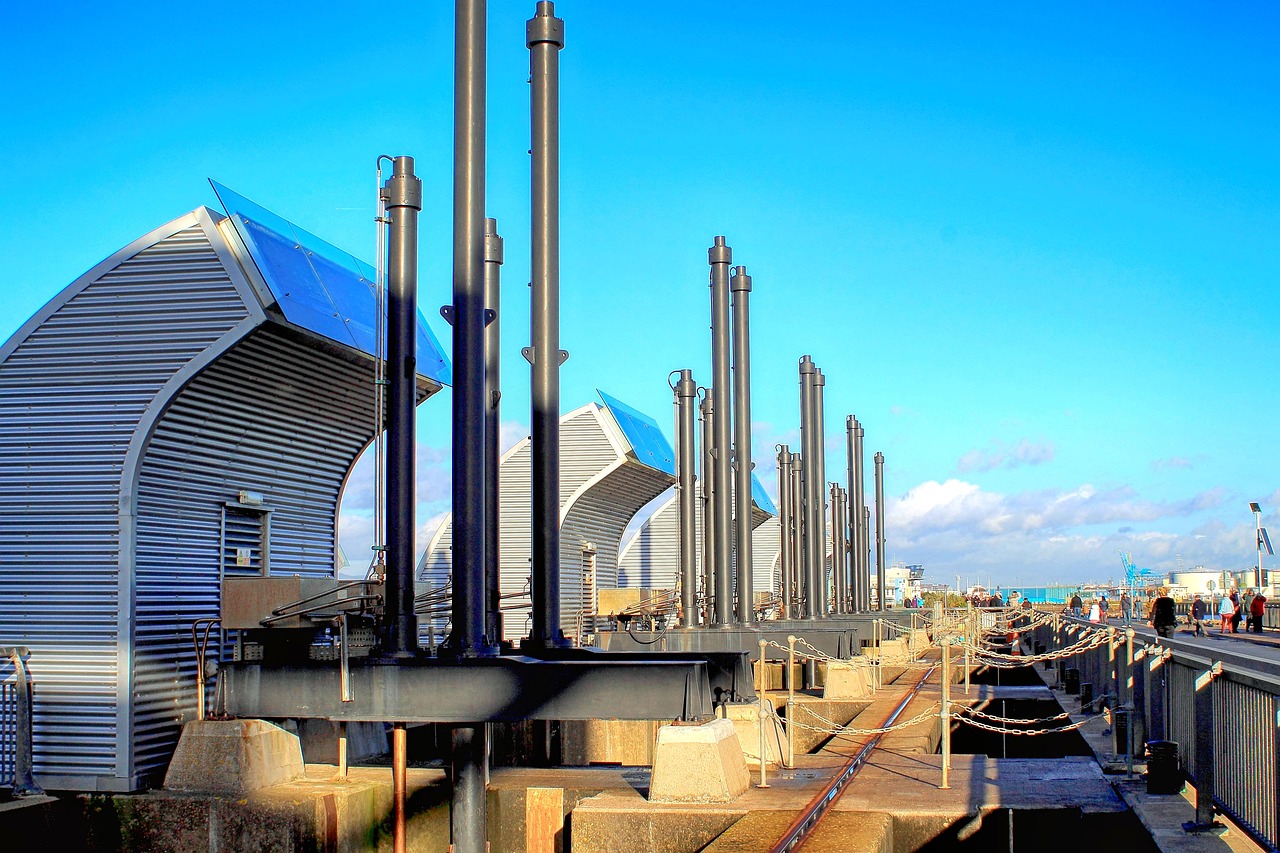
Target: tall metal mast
(686,392)
(740,286)
(720,256)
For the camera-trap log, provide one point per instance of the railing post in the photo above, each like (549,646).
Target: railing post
(945,714)
(791,700)
(1202,725)
(24,783)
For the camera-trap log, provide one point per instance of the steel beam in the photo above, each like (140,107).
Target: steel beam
(544,35)
(490,689)
(719,256)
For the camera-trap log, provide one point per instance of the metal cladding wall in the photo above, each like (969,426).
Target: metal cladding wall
(134,407)
(650,556)
(75,383)
(602,486)
(255,420)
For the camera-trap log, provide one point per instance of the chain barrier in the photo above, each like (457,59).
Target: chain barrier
(1099,638)
(1065,715)
(1070,727)
(835,729)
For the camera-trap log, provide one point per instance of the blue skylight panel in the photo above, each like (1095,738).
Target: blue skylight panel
(642,432)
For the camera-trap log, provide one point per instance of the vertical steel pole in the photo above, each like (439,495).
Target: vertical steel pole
(740,287)
(468,819)
(707,481)
(799,580)
(852,513)
(402,195)
(810,533)
(791,700)
(818,456)
(860,519)
(945,714)
(492,428)
(686,392)
(879,459)
(720,256)
(399,788)
(544,36)
(784,529)
(837,548)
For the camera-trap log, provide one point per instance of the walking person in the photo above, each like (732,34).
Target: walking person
(1225,611)
(1257,609)
(1197,615)
(1237,614)
(1077,604)
(1246,613)
(1095,612)
(1164,618)
(1104,608)
(1125,604)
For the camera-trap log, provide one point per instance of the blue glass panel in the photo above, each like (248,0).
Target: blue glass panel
(648,443)
(761,497)
(319,287)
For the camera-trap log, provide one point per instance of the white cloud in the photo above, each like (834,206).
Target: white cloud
(1000,455)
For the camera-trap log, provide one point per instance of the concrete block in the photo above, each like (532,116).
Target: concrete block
(233,757)
(625,742)
(698,764)
(320,741)
(746,722)
(613,823)
(849,679)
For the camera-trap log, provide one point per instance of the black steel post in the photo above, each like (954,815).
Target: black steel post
(860,517)
(740,287)
(811,531)
(707,481)
(545,38)
(492,428)
(818,455)
(1202,725)
(879,460)
(784,530)
(851,512)
(686,392)
(837,548)
(800,581)
(720,256)
(469,811)
(402,196)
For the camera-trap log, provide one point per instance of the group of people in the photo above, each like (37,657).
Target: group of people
(1232,610)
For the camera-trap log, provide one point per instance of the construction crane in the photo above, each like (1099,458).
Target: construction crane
(1136,578)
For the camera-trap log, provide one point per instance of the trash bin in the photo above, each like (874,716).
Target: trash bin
(1072,681)
(1164,773)
(1086,695)
(1120,729)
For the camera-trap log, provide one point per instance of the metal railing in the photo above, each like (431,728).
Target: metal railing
(16,756)
(1223,716)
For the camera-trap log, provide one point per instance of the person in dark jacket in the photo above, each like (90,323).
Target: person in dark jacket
(1163,616)
(1077,603)
(1257,609)
(1197,615)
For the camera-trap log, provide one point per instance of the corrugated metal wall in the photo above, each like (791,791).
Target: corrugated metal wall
(73,387)
(272,417)
(590,446)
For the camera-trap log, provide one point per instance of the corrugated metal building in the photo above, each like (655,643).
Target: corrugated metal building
(613,461)
(650,555)
(190,407)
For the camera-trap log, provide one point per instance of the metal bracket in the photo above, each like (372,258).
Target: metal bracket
(527,352)
(446,311)
(489,316)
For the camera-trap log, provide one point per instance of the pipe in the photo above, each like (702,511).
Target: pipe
(879,459)
(686,392)
(468,819)
(740,287)
(544,36)
(399,788)
(817,457)
(720,256)
(707,410)
(492,428)
(403,196)
(799,581)
(860,520)
(812,566)
(866,528)
(784,529)
(854,526)
(837,548)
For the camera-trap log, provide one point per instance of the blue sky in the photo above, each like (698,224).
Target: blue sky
(1032,247)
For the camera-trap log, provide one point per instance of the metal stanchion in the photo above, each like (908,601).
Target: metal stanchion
(764,752)
(399,787)
(342,750)
(946,713)
(791,699)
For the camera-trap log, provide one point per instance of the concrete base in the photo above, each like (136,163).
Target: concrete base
(233,757)
(746,722)
(698,764)
(848,680)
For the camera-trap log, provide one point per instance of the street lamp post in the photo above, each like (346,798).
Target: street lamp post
(1263,540)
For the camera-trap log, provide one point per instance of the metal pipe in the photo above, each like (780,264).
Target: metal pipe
(863,567)
(544,36)
(469,819)
(811,565)
(837,548)
(707,482)
(686,392)
(492,428)
(403,196)
(399,788)
(719,256)
(799,581)
(879,459)
(818,461)
(851,512)
(740,287)
(784,530)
